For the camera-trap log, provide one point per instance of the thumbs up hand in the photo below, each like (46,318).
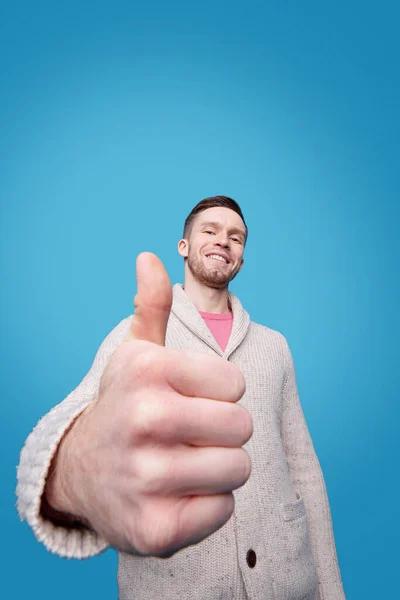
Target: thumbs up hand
(152,464)
(153,300)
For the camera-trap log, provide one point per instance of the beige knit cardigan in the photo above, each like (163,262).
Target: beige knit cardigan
(282,513)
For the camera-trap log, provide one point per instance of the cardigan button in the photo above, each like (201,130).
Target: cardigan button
(251,558)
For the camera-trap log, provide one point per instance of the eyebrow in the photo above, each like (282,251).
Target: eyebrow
(216,225)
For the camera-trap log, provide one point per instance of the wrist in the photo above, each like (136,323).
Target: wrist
(59,503)
(62,519)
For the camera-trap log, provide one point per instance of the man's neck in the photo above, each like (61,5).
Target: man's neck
(207,299)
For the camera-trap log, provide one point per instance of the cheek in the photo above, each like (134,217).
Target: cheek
(238,262)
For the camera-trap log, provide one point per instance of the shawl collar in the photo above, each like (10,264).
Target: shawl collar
(184,309)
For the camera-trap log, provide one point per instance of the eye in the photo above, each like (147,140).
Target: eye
(208,231)
(235,239)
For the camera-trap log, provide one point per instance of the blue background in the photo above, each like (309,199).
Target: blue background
(116,119)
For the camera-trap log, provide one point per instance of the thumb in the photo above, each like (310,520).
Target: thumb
(152,302)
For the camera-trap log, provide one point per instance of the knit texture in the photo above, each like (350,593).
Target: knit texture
(282,512)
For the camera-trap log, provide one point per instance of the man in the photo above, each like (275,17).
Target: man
(146,454)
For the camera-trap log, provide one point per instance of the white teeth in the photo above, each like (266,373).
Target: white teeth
(217,257)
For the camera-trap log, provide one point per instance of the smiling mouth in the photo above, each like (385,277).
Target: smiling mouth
(216,258)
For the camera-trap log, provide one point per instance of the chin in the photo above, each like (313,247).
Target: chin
(214,279)
(210,276)
(218,285)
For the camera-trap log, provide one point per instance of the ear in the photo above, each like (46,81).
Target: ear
(183,248)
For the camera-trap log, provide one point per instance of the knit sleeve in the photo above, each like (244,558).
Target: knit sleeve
(39,449)
(307,476)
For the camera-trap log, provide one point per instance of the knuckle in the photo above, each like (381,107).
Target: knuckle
(143,361)
(150,417)
(159,532)
(154,472)
(133,362)
(129,350)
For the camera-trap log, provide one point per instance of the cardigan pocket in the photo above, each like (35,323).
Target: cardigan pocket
(294,570)
(293,510)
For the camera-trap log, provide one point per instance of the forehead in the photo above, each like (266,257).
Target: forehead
(225,217)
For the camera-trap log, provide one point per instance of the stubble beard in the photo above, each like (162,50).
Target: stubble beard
(211,277)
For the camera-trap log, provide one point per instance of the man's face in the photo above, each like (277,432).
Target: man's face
(215,246)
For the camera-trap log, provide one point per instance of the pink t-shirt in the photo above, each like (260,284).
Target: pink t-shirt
(220,326)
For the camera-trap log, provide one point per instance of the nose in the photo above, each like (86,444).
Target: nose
(222,239)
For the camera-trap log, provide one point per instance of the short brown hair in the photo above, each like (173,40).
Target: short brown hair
(210,202)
